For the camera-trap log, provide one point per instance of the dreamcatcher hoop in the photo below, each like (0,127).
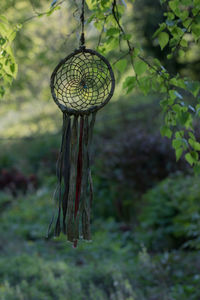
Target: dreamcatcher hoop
(91,69)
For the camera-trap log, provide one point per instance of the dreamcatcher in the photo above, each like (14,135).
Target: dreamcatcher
(81,84)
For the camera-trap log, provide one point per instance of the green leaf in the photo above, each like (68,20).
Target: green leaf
(187,22)
(166,131)
(2,41)
(174,5)
(196,169)
(91,4)
(184,117)
(3,19)
(194,144)
(3,29)
(196,30)
(163,39)
(178,82)
(2,91)
(184,43)
(195,155)
(111,43)
(127,37)
(179,153)
(191,135)
(129,83)
(136,51)
(145,84)
(192,157)
(179,134)
(170,16)
(177,108)
(157,62)
(189,158)
(159,30)
(112,31)
(181,53)
(177,143)
(169,56)
(172,94)
(121,65)
(187,2)
(184,15)
(195,10)
(193,87)
(91,18)
(140,67)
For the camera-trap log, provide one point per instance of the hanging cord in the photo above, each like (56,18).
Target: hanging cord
(82,19)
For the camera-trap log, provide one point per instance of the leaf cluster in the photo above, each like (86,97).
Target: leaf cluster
(8,65)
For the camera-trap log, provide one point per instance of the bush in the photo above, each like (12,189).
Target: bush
(5,200)
(139,159)
(171,214)
(130,163)
(35,155)
(14,181)
(168,276)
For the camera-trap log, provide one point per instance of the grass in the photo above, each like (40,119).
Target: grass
(113,266)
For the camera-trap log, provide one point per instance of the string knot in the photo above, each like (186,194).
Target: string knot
(82,19)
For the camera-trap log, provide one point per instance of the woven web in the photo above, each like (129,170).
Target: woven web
(83,81)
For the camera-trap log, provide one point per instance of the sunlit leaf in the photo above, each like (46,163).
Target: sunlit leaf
(163,39)
(121,65)
(129,83)
(140,67)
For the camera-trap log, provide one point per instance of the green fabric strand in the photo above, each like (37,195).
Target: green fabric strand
(85,205)
(72,183)
(66,167)
(91,129)
(77,219)
(59,171)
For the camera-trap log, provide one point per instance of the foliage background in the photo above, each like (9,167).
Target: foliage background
(146,214)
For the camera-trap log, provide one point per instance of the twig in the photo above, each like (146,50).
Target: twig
(37,14)
(186,31)
(121,57)
(102,30)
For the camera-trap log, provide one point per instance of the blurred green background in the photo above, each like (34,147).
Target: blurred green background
(146,212)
